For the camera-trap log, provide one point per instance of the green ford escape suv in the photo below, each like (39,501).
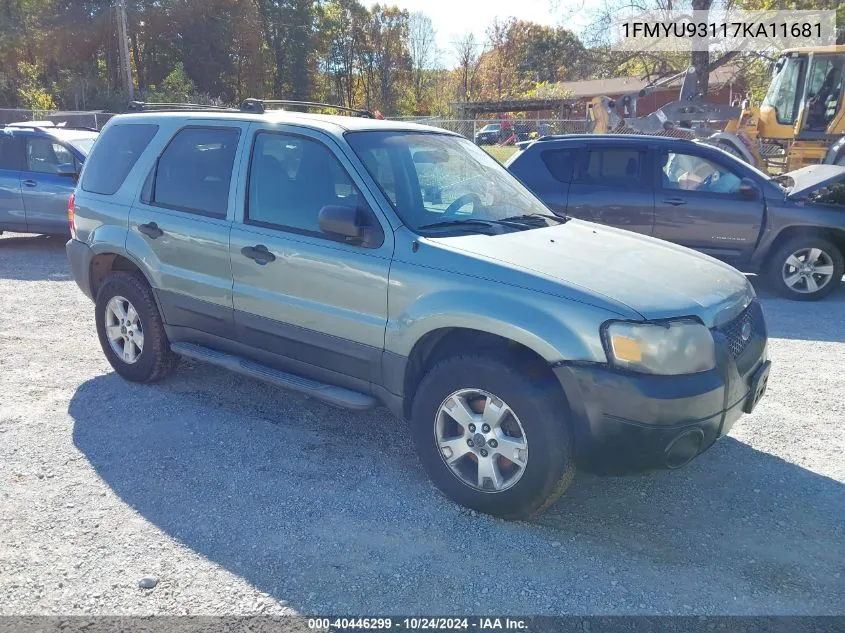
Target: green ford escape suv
(367,262)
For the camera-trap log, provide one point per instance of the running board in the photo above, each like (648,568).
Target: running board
(338,396)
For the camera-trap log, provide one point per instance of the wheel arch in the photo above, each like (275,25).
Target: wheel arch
(441,343)
(833,235)
(107,261)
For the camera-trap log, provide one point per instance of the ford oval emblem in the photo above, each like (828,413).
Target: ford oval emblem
(745,333)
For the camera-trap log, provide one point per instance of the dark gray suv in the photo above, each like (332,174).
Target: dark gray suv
(790,228)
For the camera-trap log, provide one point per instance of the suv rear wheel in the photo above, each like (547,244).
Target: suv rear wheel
(131,330)
(806,268)
(491,437)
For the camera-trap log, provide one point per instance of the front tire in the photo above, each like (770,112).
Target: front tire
(493,437)
(806,268)
(131,330)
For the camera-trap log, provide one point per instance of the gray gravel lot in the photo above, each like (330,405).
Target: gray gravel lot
(242,498)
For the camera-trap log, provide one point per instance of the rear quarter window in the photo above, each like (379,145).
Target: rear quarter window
(114,155)
(559,163)
(11,152)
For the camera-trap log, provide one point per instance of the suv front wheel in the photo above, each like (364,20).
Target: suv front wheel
(131,330)
(806,268)
(492,437)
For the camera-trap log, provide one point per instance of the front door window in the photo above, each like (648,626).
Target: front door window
(694,173)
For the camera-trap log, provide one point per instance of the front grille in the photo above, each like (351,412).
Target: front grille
(733,332)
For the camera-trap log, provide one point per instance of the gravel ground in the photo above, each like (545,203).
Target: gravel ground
(239,498)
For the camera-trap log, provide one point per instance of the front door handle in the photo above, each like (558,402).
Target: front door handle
(151,230)
(259,254)
(675,202)
(30,183)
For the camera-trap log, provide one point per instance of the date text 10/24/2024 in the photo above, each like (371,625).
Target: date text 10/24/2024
(418,624)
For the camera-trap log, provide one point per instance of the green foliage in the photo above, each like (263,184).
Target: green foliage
(175,87)
(546,90)
(30,93)
(64,54)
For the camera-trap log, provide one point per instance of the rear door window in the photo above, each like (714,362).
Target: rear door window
(621,167)
(115,154)
(195,171)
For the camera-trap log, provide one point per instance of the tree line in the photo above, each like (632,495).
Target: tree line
(65,54)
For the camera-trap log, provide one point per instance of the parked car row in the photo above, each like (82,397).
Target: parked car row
(367,262)
(495,133)
(790,228)
(39,163)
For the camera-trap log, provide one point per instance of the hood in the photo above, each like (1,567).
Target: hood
(802,182)
(654,278)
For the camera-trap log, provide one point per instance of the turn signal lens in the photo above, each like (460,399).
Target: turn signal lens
(626,349)
(669,348)
(71,214)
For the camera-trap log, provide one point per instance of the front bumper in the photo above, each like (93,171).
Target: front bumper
(626,421)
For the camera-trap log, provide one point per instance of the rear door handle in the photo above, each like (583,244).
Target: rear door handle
(259,254)
(30,183)
(151,230)
(675,202)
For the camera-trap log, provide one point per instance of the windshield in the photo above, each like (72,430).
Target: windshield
(439,178)
(490,127)
(783,91)
(82,144)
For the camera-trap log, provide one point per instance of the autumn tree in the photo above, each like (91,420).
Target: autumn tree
(468,59)
(422,48)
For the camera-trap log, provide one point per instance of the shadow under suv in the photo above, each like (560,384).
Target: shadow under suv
(367,262)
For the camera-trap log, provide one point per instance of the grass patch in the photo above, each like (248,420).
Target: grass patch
(500,153)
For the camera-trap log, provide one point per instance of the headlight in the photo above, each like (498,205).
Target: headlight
(670,348)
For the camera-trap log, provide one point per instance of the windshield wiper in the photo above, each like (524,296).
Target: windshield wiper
(468,223)
(535,216)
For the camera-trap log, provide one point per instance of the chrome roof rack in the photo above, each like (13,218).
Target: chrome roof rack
(259,106)
(144,106)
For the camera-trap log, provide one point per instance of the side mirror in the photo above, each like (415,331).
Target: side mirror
(747,189)
(350,223)
(67,170)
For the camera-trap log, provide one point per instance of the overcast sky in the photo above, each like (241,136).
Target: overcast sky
(454,18)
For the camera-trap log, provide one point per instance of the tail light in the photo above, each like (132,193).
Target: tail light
(71,214)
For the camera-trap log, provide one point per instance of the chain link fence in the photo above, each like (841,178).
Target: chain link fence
(492,132)
(503,132)
(95,119)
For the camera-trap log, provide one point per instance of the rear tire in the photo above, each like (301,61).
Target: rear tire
(130,295)
(731,149)
(797,282)
(537,414)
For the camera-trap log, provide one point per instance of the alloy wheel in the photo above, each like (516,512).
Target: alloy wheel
(481,440)
(123,330)
(807,270)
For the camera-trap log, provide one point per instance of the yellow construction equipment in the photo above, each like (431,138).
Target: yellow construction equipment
(800,122)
